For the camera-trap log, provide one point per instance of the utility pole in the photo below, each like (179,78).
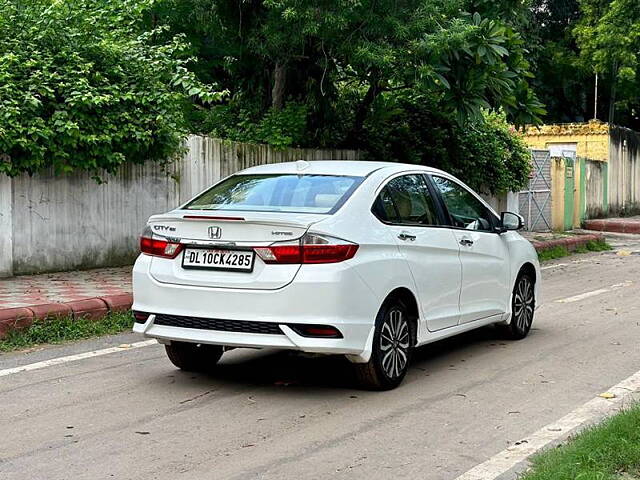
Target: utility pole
(595,100)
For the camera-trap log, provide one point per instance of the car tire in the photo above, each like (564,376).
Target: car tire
(193,357)
(391,350)
(522,308)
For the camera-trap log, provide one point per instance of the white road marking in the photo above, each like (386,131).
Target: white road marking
(593,293)
(554,266)
(74,358)
(586,414)
(573,262)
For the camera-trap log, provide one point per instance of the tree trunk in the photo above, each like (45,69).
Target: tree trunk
(279,85)
(363,111)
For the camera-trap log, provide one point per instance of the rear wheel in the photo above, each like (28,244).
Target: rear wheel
(391,349)
(522,308)
(193,357)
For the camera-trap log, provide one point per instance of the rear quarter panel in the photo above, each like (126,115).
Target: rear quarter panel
(378,261)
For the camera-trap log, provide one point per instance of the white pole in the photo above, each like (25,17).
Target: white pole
(595,100)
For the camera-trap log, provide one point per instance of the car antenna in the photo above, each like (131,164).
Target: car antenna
(302,165)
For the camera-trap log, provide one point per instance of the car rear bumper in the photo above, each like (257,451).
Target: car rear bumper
(330,294)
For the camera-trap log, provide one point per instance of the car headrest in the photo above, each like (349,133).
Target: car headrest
(326,200)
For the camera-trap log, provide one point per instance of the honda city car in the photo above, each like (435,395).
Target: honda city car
(363,259)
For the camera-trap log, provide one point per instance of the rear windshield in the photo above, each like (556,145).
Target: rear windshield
(278,193)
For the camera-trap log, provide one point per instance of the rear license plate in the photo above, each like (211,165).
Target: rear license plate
(218,259)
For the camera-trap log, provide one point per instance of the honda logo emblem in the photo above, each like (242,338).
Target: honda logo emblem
(215,232)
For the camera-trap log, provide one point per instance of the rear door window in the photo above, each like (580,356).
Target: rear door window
(406,200)
(278,193)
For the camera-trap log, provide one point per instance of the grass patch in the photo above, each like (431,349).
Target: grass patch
(598,246)
(561,251)
(552,253)
(610,451)
(64,329)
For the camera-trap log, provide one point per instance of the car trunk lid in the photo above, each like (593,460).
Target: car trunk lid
(228,230)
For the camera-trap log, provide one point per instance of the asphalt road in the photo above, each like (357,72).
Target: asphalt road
(270,415)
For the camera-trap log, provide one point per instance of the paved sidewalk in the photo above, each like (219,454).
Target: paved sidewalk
(571,240)
(32,290)
(620,225)
(90,293)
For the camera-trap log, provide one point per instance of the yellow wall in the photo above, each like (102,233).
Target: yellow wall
(592,138)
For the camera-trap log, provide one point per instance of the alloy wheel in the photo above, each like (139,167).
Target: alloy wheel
(394,343)
(523,303)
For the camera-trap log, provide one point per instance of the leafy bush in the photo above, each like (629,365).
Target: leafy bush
(489,155)
(84,84)
(279,128)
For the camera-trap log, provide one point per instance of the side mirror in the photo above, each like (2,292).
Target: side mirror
(510,221)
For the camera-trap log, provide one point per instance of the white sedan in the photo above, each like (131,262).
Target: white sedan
(364,259)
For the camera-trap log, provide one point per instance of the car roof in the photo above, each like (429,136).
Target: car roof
(355,168)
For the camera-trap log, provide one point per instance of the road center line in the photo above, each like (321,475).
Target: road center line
(74,358)
(588,413)
(593,293)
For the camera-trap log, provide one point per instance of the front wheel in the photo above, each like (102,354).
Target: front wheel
(193,357)
(522,308)
(391,349)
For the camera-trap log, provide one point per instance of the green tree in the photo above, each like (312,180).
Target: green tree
(561,80)
(466,55)
(87,84)
(608,35)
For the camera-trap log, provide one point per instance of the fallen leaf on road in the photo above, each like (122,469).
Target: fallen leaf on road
(607,395)
(124,345)
(623,253)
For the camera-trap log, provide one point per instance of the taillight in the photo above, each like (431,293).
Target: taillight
(312,248)
(151,244)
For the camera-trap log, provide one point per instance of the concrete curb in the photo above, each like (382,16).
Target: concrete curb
(571,243)
(613,225)
(94,308)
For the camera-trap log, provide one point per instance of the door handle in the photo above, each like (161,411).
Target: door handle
(466,242)
(406,236)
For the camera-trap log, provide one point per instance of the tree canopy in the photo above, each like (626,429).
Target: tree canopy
(467,56)
(608,34)
(92,84)
(87,85)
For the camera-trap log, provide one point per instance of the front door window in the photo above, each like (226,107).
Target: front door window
(465,210)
